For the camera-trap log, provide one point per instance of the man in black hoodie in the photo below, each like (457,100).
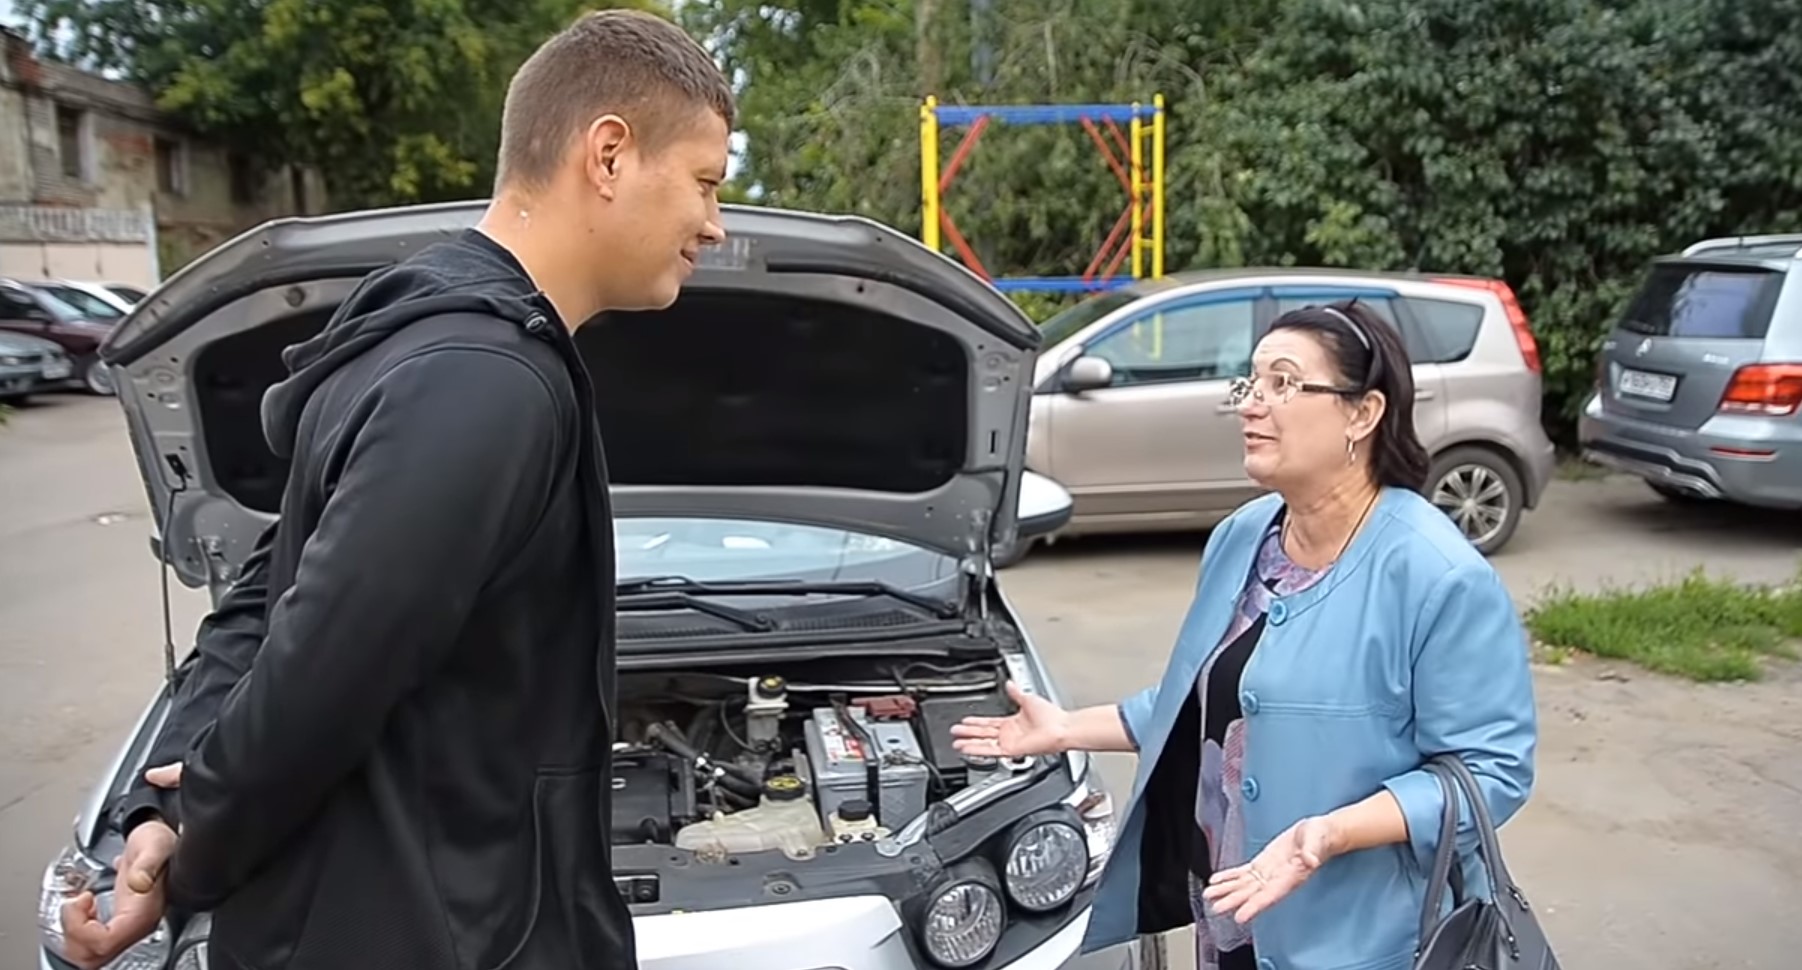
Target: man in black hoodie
(394,736)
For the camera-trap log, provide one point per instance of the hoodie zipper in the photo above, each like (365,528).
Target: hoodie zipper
(597,509)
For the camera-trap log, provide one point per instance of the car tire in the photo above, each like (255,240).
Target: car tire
(95,378)
(1481,493)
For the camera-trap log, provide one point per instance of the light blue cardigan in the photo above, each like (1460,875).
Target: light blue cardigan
(1410,646)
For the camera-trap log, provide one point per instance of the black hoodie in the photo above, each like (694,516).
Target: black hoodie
(410,774)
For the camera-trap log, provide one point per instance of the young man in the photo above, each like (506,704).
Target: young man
(394,740)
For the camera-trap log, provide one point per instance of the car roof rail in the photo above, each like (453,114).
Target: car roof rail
(1746,242)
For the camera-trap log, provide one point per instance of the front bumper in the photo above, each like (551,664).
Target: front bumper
(852,933)
(1709,461)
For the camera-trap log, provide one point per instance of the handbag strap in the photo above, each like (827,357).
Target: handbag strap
(1443,859)
(1488,844)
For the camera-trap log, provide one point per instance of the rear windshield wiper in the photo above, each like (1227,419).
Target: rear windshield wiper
(651,585)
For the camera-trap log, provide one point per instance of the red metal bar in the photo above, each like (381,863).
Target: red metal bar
(1113,238)
(1107,154)
(1119,139)
(1114,266)
(958,243)
(963,152)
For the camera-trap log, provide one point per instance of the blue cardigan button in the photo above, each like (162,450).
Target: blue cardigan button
(1248,787)
(1279,611)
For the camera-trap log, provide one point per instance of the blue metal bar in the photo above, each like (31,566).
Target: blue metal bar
(1059,284)
(1040,114)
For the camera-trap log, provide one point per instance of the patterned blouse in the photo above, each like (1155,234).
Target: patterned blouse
(1221,943)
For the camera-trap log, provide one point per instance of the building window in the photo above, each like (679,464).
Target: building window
(69,141)
(244,179)
(171,166)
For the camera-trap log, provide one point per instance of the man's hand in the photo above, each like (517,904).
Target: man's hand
(138,901)
(165,776)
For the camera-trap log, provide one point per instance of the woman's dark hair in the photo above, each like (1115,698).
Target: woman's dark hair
(1369,356)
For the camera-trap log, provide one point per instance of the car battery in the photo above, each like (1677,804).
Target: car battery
(837,761)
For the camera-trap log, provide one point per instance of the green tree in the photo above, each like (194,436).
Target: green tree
(393,100)
(1556,144)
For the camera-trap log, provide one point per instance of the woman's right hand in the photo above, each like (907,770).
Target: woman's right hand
(1039,727)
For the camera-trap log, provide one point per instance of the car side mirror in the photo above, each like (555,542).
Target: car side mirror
(1045,506)
(1087,373)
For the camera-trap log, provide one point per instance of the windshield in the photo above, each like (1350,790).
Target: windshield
(1063,325)
(57,308)
(83,303)
(731,550)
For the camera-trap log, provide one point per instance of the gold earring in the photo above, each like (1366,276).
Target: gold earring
(1351,451)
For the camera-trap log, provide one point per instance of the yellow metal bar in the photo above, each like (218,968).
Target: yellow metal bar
(1157,187)
(1138,193)
(929,173)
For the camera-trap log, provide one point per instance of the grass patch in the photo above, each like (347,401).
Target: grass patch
(1700,628)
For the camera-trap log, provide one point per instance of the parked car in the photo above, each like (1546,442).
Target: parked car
(1699,383)
(33,312)
(126,292)
(1129,409)
(827,427)
(96,301)
(28,365)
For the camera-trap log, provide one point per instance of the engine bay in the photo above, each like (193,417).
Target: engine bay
(796,757)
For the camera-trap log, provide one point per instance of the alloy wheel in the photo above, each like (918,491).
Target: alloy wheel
(1476,499)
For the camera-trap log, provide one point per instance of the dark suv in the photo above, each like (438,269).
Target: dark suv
(1699,385)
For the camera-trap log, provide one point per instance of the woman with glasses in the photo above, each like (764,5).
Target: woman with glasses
(1343,632)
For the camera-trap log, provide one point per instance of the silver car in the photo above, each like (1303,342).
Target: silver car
(1699,384)
(813,454)
(1129,409)
(30,364)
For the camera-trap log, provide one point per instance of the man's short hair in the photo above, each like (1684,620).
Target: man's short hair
(626,62)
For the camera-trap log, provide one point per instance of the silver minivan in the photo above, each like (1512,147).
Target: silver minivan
(1129,409)
(1699,384)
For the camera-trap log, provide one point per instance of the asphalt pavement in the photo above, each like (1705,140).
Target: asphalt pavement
(1660,834)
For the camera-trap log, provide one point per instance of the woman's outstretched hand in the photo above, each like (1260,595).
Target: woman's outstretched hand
(1039,727)
(1243,892)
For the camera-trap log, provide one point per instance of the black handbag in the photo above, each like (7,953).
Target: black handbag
(1497,933)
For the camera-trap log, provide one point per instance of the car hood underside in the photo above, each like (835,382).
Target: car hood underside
(817,370)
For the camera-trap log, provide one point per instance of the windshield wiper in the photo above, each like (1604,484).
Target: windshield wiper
(681,599)
(650,585)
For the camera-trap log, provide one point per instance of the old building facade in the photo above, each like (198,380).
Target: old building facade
(97,183)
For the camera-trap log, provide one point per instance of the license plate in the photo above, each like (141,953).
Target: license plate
(57,372)
(1658,387)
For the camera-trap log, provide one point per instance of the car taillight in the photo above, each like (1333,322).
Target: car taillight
(1769,389)
(1517,318)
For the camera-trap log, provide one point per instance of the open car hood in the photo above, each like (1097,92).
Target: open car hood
(822,370)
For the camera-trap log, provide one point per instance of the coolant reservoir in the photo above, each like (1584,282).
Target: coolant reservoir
(783,819)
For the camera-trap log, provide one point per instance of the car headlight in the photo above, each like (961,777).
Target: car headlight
(1046,860)
(962,917)
(70,874)
(13,361)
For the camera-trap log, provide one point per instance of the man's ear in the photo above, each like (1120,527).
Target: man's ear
(604,144)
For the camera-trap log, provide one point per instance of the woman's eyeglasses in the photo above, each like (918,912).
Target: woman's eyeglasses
(1276,388)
